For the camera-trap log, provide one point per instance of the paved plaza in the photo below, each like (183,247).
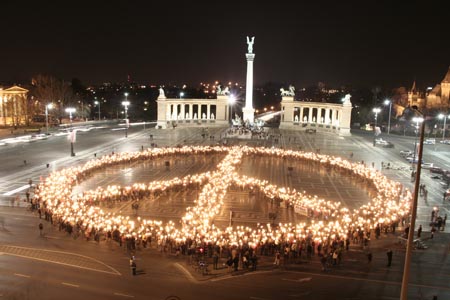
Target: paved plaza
(246,207)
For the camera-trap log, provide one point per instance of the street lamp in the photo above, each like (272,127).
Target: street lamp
(376,110)
(47,107)
(126,103)
(417,120)
(98,103)
(386,102)
(410,241)
(231,101)
(442,116)
(71,110)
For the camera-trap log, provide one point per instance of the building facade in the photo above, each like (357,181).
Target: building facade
(13,106)
(438,98)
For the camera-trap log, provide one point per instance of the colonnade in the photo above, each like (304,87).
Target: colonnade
(318,115)
(182,111)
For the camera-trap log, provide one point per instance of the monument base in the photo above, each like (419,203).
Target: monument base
(249,114)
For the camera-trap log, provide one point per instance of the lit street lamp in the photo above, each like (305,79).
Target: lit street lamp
(389,102)
(126,103)
(417,120)
(410,240)
(442,116)
(47,107)
(376,110)
(98,103)
(71,110)
(231,101)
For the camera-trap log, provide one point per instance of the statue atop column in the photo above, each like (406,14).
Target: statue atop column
(346,99)
(290,92)
(161,93)
(250,44)
(224,92)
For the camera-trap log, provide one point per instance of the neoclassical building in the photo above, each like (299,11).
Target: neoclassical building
(13,106)
(321,116)
(437,98)
(192,112)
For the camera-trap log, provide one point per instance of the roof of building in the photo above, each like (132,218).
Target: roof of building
(447,77)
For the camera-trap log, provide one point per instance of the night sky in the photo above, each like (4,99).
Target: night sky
(358,43)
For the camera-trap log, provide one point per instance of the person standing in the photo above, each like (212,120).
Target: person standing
(443,221)
(369,257)
(419,231)
(277,259)
(215,260)
(133,265)
(389,256)
(41,228)
(433,230)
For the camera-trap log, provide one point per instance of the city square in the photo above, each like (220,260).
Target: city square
(242,204)
(207,152)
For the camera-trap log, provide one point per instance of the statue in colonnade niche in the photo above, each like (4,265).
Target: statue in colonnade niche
(203,116)
(195,116)
(212,116)
(187,116)
(296,118)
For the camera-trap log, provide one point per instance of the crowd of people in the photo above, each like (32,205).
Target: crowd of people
(330,227)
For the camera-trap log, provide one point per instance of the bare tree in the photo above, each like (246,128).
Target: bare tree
(48,89)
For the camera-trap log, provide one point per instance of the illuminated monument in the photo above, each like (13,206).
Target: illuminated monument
(295,115)
(248,110)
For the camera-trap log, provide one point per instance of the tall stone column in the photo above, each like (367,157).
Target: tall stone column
(248,110)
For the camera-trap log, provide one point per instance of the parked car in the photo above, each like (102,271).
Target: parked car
(436,170)
(427,165)
(405,153)
(429,142)
(412,159)
(380,141)
(445,142)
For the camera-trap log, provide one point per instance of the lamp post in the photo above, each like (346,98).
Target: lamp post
(47,107)
(126,103)
(410,241)
(98,103)
(231,100)
(376,110)
(71,110)
(389,102)
(442,116)
(417,120)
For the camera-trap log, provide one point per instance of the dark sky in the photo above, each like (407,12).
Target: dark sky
(339,42)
